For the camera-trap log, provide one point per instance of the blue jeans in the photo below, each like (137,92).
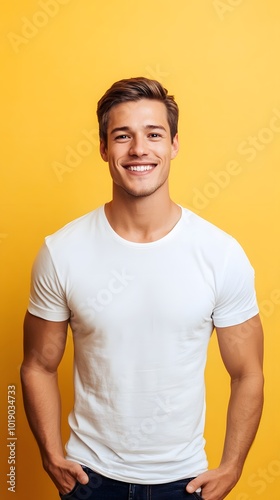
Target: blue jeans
(104,488)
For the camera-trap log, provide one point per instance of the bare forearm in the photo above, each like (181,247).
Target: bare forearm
(244,412)
(42,398)
(42,406)
(241,347)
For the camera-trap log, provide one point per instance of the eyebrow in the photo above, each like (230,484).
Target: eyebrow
(127,129)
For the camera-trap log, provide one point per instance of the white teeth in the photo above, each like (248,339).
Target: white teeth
(140,168)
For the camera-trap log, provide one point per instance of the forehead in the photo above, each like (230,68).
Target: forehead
(138,113)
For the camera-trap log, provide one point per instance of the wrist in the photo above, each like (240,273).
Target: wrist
(52,459)
(231,468)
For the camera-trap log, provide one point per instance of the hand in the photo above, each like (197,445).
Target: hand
(65,474)
(215,484)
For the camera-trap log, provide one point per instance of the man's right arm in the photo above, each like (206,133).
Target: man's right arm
(44,344)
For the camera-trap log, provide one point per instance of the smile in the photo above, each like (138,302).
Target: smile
(140,168)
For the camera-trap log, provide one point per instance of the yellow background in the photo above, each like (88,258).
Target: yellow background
(221,60)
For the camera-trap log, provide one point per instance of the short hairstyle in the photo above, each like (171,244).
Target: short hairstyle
(134,89)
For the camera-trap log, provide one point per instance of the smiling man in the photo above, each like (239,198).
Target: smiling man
(140,151)
(143,283)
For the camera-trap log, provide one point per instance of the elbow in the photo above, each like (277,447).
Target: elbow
(252,383)
(25,374)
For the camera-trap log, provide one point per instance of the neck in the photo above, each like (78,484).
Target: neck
(142,219)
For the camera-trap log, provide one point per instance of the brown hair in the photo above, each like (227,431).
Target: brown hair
(134,89)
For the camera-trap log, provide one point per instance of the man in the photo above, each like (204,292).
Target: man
(142,282)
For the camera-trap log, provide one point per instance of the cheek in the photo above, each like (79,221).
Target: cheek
(163,151)
(117,152)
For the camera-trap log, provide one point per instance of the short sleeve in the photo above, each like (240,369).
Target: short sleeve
(47,298)
(236,297)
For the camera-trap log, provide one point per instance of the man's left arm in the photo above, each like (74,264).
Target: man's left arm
(241,348)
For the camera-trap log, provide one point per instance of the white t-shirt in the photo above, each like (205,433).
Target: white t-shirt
(141,315)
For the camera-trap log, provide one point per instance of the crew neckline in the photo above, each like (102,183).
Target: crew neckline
(126,242)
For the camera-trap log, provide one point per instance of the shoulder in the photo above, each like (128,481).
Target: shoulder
(210,241)
(203,230)
(74,231)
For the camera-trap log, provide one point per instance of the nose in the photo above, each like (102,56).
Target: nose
(138,146)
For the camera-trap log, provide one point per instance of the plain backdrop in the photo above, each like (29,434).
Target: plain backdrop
(221,61)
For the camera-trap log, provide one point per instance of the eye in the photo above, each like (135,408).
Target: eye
(121,137)
(155,135)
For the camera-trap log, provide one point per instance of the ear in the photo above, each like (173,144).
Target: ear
(174,147)
(103,151)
